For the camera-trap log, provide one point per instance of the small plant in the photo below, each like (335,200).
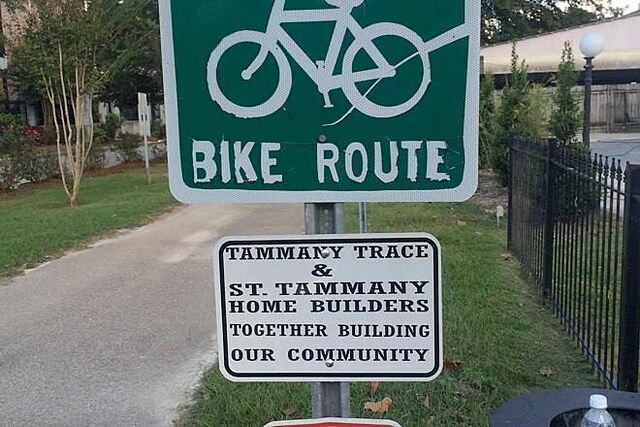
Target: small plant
(112,125)
(128,148)
(20,158)
(158,129)
(95,160)
(99,135)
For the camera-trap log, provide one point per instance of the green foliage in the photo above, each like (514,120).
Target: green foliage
(505,20)
(67,51)
(20,158)
(158,129)
(565,117)
(510,115)
(143,72)
(128,148)
(95,160)
(487,119)
(10,121)
(100,135)
(48,135)
(534,115)
(112,125)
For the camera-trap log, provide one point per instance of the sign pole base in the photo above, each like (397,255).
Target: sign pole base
(330,400)
(327,399)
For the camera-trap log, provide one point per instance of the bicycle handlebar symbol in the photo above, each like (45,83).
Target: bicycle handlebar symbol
(275,39)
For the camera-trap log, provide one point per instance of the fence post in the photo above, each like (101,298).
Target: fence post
(510,193)
(549,218)
(629,346)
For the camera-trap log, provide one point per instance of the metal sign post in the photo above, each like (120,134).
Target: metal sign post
(144,128)
(327,399)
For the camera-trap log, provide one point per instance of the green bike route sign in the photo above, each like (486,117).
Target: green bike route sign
(321,100)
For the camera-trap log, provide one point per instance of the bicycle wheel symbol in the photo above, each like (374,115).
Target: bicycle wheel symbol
(348,83)
(283,88)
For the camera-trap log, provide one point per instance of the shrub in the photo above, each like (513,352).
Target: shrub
(9,122)
(487,119)
(128,148)
(95,160)
(515,97)
(534,114)
(49,135)
(565,117)
(112,125)
(21,160)
(158,129)
(99,135)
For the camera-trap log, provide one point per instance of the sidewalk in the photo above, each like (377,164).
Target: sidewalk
(615,137)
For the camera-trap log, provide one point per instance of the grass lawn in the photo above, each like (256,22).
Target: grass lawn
(498,340)
(38,224)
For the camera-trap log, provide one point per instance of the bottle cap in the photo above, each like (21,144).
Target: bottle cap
(598,401)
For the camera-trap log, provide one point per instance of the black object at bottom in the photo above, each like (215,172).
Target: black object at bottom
(565,407)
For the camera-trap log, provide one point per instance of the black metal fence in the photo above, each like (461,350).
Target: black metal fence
(574,224)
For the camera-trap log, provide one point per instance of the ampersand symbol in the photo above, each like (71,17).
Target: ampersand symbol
(321,270)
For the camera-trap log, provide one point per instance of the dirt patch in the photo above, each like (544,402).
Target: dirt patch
(490,194)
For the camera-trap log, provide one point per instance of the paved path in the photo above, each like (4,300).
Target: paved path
(117,335)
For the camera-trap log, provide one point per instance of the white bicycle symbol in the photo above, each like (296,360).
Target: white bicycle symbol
(275,39)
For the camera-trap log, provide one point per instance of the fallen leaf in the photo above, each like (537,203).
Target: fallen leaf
(461,223)
(426,402)
(452,365)
(206,396)
(381,407)
(464,389)
(373,388)
(546,371)
(291,410)
(431,421)
(507,256)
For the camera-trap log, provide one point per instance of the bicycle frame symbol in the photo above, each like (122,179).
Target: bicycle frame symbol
(276,39)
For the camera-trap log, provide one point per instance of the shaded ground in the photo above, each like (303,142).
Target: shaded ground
(490,194)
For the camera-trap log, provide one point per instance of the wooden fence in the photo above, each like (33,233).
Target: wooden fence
(616,108)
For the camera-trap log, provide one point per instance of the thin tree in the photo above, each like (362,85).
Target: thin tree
(510,115)
(565,115)
(68,50)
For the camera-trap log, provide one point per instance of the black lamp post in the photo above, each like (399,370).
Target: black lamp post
(591,45)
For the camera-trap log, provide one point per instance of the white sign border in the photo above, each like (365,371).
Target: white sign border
(189,195)
(326,239)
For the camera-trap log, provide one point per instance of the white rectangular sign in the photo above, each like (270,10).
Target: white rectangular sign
(329,307)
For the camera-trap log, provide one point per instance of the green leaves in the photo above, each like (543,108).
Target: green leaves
(510,19)
(565,117)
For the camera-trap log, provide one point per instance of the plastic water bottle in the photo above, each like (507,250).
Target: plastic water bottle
(597,416)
